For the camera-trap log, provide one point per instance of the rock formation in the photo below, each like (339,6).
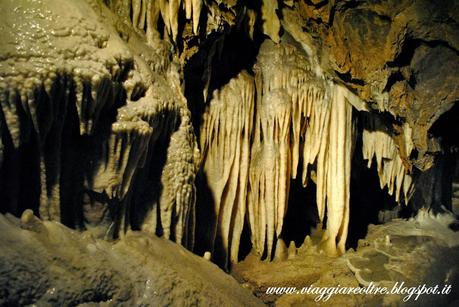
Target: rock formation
(95,111)
(193,120)
(70,268)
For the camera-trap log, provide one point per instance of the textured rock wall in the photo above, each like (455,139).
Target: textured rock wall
(96,131)
(86,104)
(401,56)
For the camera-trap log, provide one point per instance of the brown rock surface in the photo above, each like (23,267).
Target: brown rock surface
(401,56)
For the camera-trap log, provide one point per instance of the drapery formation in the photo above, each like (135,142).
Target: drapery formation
(225,141)
(302,125)
(378,144)
(93,118)
(78,124)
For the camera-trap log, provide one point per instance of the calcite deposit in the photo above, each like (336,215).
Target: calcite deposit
(92,108)
(70,268)
(229,127)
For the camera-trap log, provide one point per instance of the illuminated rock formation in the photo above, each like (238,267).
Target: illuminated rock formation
(378,144)
(293,101)
(225,141)
(74,92)
(299,116)
(208,123)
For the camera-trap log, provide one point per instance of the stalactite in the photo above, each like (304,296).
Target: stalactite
(282,88)
(197,7)
(152,18)
(45,104)
(123,152)
(125,149)
(145,15)
(178,196)
(378,144)
(270,168)
(80,87)
(174,6)
(302,122)
(338,141)
(300,117)
(136,12)
(188,7)
(225,141)
(141,125)
(271,23)
(251,20)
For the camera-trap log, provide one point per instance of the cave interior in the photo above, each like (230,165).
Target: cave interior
(284,141)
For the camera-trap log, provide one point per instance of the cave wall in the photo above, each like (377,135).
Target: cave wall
(110,110)
(389,53)
(94,104)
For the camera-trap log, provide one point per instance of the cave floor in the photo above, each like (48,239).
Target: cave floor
(422,250)
(305,266)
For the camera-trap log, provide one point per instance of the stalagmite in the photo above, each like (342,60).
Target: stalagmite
(225,141)
(292,250)
(281,251)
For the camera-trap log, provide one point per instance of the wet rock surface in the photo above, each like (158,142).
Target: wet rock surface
(102,104)
(47,263)
(400,55)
